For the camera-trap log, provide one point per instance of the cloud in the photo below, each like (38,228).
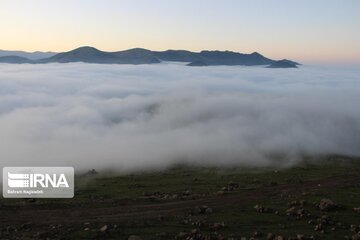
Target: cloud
(152,116)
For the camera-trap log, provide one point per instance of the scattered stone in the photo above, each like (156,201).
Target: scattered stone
(353,228)
(230,187)
(262,209)
(202,210)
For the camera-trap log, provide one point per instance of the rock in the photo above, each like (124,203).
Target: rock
(220,193)
(270,236)
(218,226)
(357,209)
(134,237)
(300,211)
(291,211)
(326,205)
(181,235)
(279,238)
(262,209)
(90,173)
(257,234)
(318,227)
(356,237)
(202,210)
(104,228)
(300,237)
(233,184)
(353,228)
(208,210)
(196,210)
(187,193)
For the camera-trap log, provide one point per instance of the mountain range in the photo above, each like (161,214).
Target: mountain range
(30,55)
(143,56)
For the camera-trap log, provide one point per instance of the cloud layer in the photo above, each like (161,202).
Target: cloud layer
(151,116)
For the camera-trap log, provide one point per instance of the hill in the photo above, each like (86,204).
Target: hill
(93,55)
(15,59)
(283,64)
(30,55)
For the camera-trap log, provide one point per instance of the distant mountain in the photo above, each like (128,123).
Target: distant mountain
(93,55)
(15,59)
(144,56)
(136,56)
(30,55)
(213,58)
(177,56)
(284,64)
(233,58)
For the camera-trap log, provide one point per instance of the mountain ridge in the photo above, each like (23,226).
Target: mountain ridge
(36,55)
(136,56)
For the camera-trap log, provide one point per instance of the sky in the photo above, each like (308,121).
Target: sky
(306,30)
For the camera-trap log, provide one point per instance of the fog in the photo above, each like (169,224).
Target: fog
(152,116)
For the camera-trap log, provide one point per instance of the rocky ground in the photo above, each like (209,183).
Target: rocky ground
(309,201)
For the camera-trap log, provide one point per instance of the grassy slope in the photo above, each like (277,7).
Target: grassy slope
(267,187)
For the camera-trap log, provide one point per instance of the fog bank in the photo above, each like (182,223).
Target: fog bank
(151,116)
